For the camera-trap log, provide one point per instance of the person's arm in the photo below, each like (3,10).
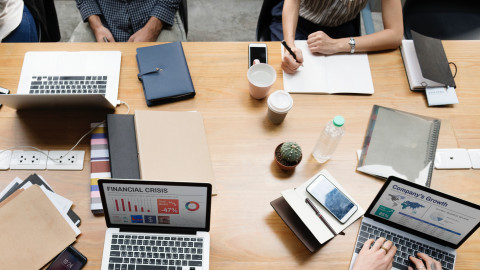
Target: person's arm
(389,38)
(163,14)
(99,30)
(289,25)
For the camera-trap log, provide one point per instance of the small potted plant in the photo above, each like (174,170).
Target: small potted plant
(288,155)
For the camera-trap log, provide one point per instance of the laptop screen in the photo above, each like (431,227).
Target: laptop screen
(432,214)
(156,204)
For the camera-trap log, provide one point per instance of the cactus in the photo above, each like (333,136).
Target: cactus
(291,152)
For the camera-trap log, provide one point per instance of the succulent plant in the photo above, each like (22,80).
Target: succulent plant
(291,152)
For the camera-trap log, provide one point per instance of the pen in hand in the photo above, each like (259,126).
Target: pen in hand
(105,39)
(307,200)
(290,51)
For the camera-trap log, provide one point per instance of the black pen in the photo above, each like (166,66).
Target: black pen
(307,200)
(290,50)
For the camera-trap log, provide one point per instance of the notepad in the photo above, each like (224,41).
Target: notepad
(342,73)
(401,144)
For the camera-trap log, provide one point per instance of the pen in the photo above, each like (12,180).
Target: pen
(105,39)
(289,50)
(307,200)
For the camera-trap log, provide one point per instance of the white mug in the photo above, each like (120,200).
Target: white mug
(261,78)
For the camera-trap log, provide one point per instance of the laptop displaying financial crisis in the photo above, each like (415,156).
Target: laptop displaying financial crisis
(418,219)
(156,224)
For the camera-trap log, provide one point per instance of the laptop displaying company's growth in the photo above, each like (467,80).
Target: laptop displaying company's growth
(59,79)
(418,219)
(156,224)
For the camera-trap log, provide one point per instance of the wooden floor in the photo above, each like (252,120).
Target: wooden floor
(246,233)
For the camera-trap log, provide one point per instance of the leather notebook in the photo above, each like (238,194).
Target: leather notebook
(164,73)
(122,145)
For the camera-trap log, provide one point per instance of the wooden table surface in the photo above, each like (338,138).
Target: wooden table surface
(246,233)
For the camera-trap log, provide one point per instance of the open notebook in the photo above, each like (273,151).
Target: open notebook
(341,73)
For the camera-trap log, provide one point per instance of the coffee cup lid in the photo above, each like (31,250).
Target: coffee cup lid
(280,101)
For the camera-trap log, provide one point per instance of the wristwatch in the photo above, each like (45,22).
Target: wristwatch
(352,45)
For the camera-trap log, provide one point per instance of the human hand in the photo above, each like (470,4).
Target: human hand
(427,264)
(148,33)
(99,30)
(289,65)
(379,257)
(319,42)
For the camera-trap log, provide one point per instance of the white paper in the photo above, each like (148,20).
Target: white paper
(9,186)
(441,96)
(296,200)
(342,73)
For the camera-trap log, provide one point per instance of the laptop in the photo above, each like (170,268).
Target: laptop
(58,79)
(418,219)
(156,224)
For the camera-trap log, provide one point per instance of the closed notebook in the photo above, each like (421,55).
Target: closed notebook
(173,146)
(32,230)
(164,73)
(401,144)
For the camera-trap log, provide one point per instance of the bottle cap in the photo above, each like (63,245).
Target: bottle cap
(338,121)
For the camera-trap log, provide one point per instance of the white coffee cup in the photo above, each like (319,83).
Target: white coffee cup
(261,78)
(279,104)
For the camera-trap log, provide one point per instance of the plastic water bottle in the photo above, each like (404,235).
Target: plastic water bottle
(329,139)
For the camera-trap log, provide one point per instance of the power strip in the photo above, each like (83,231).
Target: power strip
(35,160)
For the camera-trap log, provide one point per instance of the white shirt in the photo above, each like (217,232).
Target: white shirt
(11,13)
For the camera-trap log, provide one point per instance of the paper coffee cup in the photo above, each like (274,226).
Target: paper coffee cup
(279,104)
(261,78)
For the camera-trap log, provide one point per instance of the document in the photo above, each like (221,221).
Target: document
(342,73)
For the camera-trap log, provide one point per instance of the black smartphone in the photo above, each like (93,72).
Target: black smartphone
(332,198)
(257,51)
(69,259)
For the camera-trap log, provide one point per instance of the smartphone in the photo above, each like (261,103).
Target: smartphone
(330,197)
(257,51)
(69,259)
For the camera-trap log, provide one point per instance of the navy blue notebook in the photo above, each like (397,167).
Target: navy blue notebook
(164,73)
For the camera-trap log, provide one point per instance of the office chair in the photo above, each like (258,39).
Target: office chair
(183,10)
(265,18)
(442,19)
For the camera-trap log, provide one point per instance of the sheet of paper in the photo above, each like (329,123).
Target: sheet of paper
(437,96)
(343,73)
(10,188)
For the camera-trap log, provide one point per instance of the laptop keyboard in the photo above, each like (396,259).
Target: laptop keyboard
(68,85)
(141,252)
(405,247)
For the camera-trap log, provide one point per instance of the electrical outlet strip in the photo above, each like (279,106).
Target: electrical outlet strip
(72,162)
(474,158)
(5,159)
(452,159)
(28,160)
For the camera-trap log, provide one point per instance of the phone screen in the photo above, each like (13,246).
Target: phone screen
(330,197)
(69,259)
(259,53)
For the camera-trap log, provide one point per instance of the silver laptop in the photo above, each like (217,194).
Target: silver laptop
(156,224)
(418,219)
(57,79)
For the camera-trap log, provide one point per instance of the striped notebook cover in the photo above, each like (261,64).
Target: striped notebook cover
(100,165)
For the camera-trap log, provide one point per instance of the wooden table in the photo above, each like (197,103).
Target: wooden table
(246,232)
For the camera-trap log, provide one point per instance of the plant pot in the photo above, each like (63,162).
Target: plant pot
(283,164)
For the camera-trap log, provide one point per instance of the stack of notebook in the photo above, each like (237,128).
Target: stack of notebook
(37,224)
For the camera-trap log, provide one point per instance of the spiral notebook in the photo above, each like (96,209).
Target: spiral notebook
(401,144)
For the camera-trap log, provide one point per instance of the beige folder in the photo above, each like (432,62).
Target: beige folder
(32,231)
(173,146)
